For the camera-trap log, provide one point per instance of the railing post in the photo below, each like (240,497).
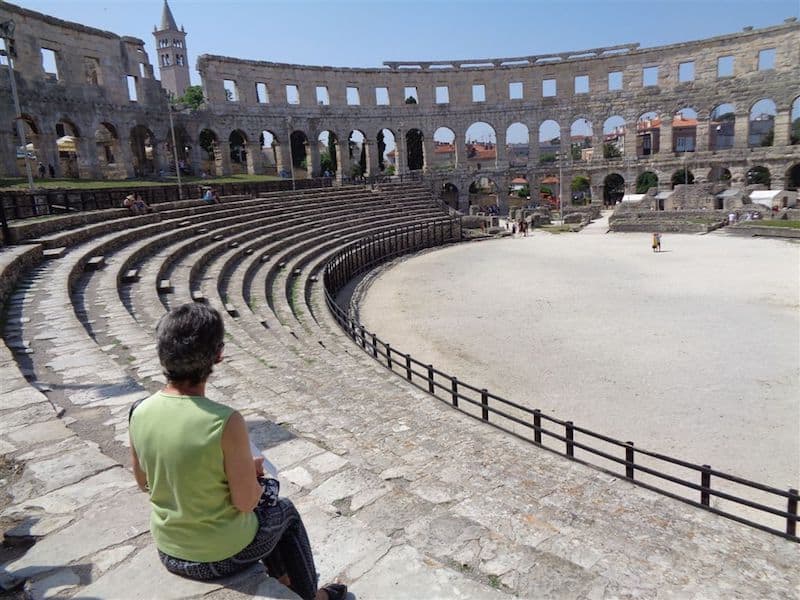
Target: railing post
(408,367)
(374,346)
(389,356)
(705,483)
(791,508)
(363,337)
(430,379)
(454,388)
(537,426)
(485,404)
(629,468)
(570,438)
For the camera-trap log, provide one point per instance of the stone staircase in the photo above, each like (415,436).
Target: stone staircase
(402,497)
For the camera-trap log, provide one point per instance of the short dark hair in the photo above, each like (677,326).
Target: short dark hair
(188,339)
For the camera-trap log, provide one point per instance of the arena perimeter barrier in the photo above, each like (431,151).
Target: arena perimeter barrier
(367,253)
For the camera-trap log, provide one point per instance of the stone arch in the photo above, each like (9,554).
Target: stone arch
(759,175)
(721,127)
(448,194)
(761,123)
(645,181)
(329,152)
(386,147)
(483,192)
(614,129)
(415,149)
(519,190)
(613,188)
(580,189)
(793,177)
(183,149)
(718,174)
(270,151)
(143,149)
(648,134)
(481,145)
(549,136)
(682,176)
(237,151)
(108,151)
(67,146)
(211,161)
(684,130)
(518,141)
(444,149)
(32,152)
(357,153)
(581,134)
(298,147)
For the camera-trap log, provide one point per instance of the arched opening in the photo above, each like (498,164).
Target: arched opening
(645,181)
(483,193)
(328,153)
(31,151)
(143,148)
(684,130)
(67,144)
(481,145)
(415,154)
(444,148)
(387,152)
(517,144)
(549,190)
(719,175)
(682,177)
(793,177)
(270,150)
(358,154)
(580,190)
(549,141)
(107,142)
(449,195)
(211,158)
(759,176)
(761,126)
(614,137)
(184,150)
(613,189)
(794,130)
(519,190)
(298,142)
(721,128)
(648,134)
(237,147)
(580,139)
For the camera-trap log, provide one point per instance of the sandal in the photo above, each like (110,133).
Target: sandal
(335,591)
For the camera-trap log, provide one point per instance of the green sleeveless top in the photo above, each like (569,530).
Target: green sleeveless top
(178,440)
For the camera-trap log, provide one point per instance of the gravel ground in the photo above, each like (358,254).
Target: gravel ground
(693,352)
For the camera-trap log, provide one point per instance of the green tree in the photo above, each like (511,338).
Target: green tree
(645,181)
(548,157)
(524,192)
(325,162)
(332,153)
(192,97)
(611,151)
(575,149)
(580,183)
(381,150)
(768,138)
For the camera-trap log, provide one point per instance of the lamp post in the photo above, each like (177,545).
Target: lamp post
(291,153)
(175,149)
(560,156)
(7,31)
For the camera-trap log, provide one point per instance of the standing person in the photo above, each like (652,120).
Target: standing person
(656,242)
(52,170)
(41,170)
(210,516)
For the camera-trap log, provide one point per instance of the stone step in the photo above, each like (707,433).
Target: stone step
(54,253)
(217,237)
(131,276)
(95,263)
(198,296)
(165,286)
(231,309)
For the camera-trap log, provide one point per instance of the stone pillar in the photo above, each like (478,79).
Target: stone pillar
(782,126)
(342,157)
(402,158)
(427,152)
(283,159)
(313,159)
(565,145)
(597,193)
(162,158)
(372,158)
(195,158)
(222,159)
(597,144)
(533,147)
(460,146)
(741,128)
(47,153)
(701,135)
(665,143)
(125,156)
(501,162)
(255,160)
(88,164)
(630,141)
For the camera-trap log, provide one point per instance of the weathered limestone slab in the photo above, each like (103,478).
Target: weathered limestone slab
(48,431)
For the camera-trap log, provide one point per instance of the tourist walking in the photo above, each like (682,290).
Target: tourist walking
(656,242)
(210,515)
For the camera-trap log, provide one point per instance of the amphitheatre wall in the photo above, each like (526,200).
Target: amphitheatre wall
(258,100)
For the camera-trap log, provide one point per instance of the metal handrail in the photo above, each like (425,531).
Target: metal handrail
(367,253)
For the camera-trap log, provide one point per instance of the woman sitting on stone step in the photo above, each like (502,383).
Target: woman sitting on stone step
(210,515)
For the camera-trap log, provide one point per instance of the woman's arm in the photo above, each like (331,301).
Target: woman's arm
(141,478)
(240,467)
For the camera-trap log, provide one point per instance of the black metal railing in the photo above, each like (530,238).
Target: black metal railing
(748,502)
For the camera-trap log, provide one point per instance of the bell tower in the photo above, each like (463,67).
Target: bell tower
(173,64)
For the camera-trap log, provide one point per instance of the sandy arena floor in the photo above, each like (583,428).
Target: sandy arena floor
(693,352)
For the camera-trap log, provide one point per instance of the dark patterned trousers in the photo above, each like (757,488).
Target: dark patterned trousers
(281,543)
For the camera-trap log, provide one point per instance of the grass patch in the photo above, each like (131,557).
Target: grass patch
(20,183)
(775,223)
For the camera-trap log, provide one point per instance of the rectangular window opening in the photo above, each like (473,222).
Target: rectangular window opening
(515,90)
(650,76)
(410,95)
(725,66)
(231,93)
(686,71)
(292,94)
(382,96)
(549,88)
(262,95)
(582,84)
(49,63)
(142,71)
(442,94)
(766,59)
(614,81)
(133,96)
(91,69)
(353,97)
(323,97)
(479,93)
